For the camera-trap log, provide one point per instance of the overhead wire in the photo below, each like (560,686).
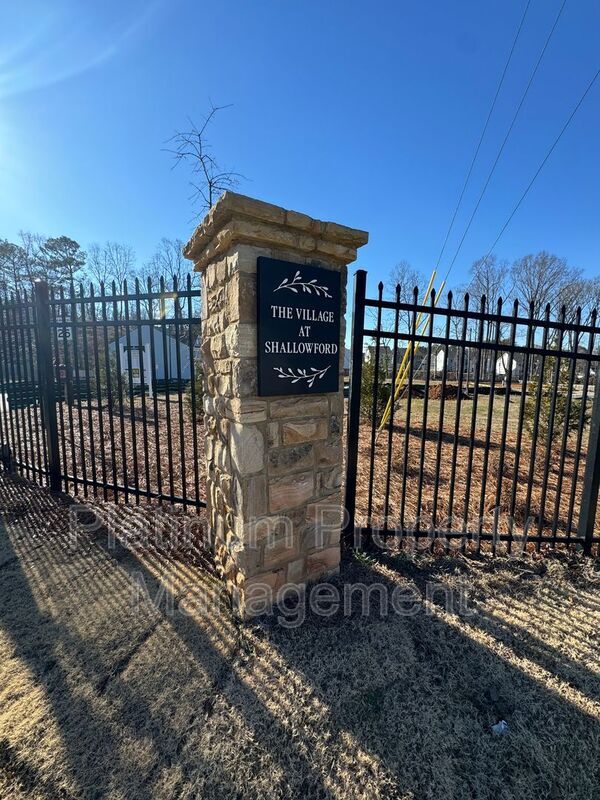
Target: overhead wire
(483,132)
(532,181)
(543,162)
(507,136)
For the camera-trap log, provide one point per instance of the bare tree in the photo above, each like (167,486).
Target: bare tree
(168,261)
(111,261)
(168,264)
(488,277)
(407,278)
(209,180)
(97,265)
(31,244)
(592,298)
(404,275)
(544,279)
(121,260)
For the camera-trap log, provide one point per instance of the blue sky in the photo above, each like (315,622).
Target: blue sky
(364,113)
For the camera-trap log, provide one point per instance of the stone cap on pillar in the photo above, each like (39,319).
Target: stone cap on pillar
(237,218)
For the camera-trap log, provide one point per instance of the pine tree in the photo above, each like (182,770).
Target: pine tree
(367,389)
(560,404)
(60,260)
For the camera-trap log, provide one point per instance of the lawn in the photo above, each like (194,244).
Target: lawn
(496,487)
(493,487)
(109,689)
(99,445)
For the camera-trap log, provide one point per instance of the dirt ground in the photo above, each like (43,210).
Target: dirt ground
(488,490)
(99,446)
(111,689)
(179,469)
(491,490)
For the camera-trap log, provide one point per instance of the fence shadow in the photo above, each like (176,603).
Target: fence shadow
(429,685)
(173,699)
(60,649)
(448,437)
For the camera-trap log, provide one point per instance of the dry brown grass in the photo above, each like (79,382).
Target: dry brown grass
(99,698)
(182,466)
(89,437)
(506,478)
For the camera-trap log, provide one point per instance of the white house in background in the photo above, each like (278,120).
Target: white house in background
(503,364)
(165,354)
(438,359)
(385,357)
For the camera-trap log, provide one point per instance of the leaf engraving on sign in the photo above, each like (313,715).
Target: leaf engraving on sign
(297,284)
(301,374)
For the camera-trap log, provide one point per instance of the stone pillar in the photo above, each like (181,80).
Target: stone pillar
(274,464)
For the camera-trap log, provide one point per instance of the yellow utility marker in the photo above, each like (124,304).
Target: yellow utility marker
(426,321)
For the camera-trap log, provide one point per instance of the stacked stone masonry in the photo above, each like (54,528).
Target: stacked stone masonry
(274,464)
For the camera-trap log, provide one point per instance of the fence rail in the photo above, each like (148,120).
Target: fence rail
(473,424)
(100,390)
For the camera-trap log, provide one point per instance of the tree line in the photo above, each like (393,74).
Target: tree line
(62,261)
(535,280)
(541,283)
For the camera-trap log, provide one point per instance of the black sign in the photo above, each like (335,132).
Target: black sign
(298,328)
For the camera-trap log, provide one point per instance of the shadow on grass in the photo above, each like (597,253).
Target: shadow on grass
(448,438)
(421,690)
(164,702)
(56,657)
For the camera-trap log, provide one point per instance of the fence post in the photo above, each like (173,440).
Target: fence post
(46,381)
(356,363)
(591,480)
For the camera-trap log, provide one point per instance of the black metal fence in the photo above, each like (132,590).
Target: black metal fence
(472,424)
(100,390)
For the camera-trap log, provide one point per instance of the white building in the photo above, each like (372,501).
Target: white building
(503,364)
(165,354)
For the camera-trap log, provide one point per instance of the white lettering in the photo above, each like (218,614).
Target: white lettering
(282,312)
(312,315)
(302,348)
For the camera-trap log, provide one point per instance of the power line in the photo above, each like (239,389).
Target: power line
(507,136)
(541,166)
(485,127)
